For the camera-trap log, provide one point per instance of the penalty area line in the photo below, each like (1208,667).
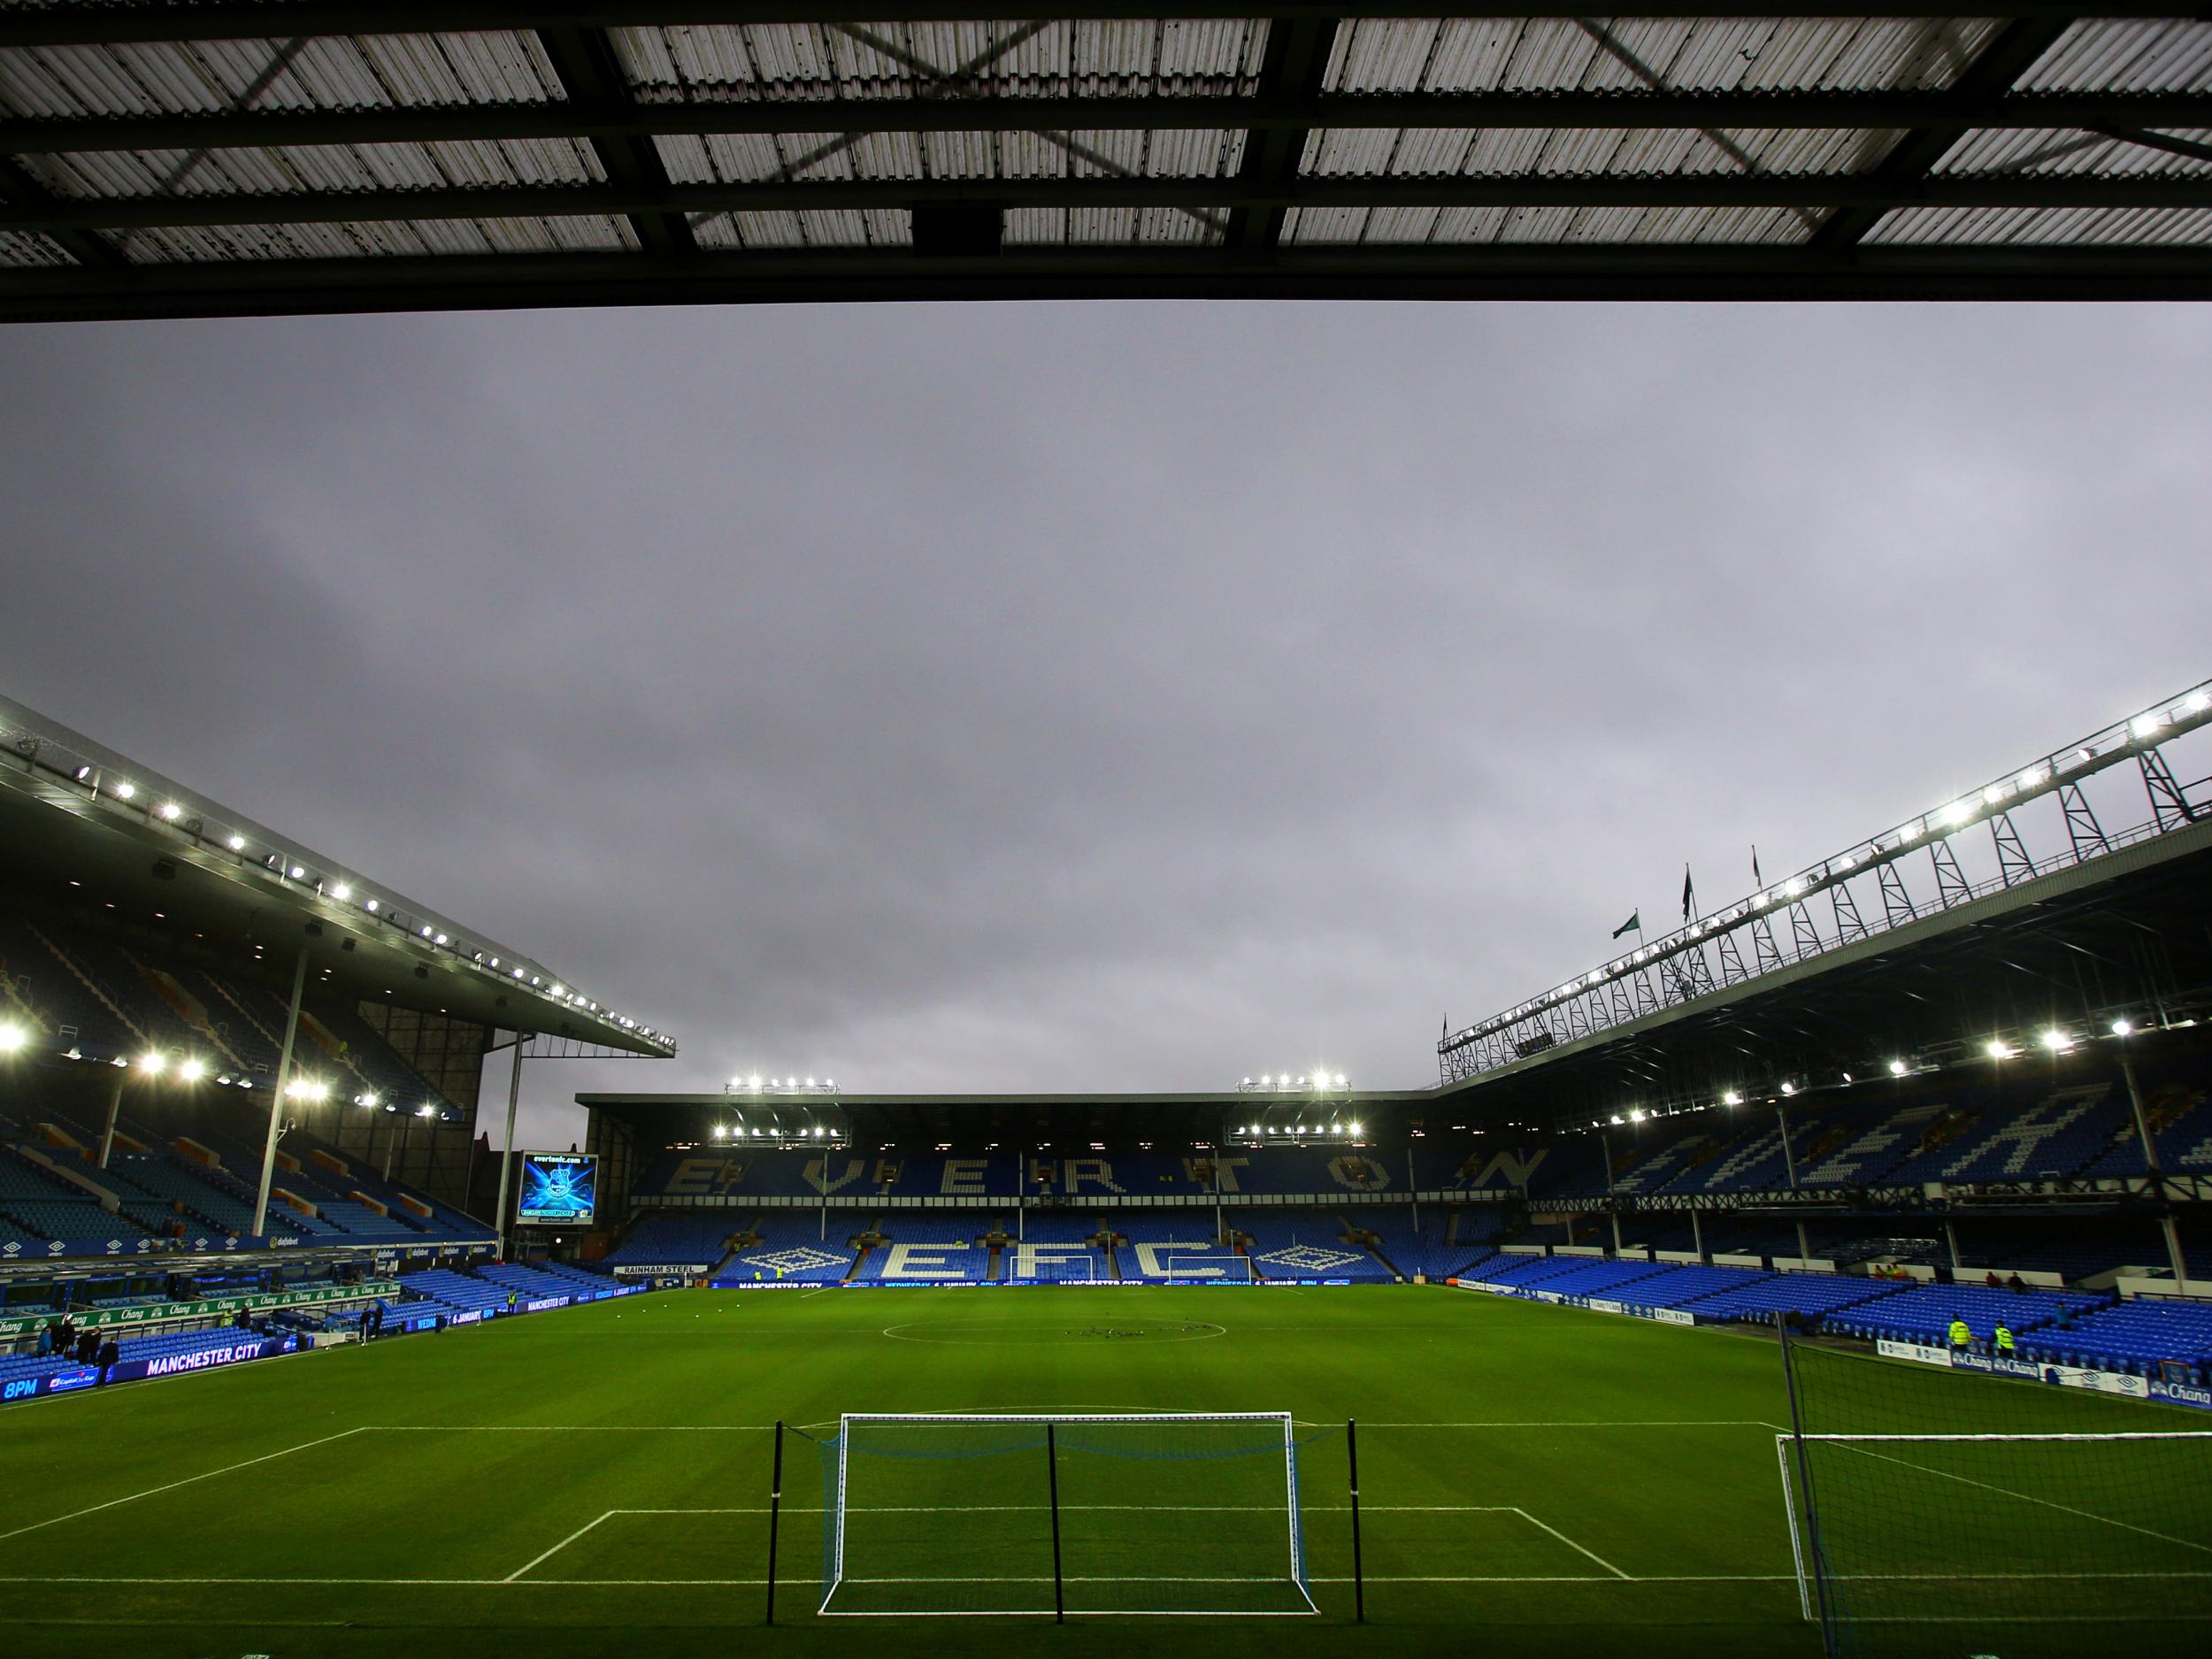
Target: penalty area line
(152,1492)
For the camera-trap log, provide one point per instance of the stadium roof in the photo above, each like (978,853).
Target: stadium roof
(1015,1120)
(72,810)
(238,157)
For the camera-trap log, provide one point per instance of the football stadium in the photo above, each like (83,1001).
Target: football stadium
(1826,1271)
(1853,1217)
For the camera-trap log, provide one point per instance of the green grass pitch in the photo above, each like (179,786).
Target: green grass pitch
(1535,1479)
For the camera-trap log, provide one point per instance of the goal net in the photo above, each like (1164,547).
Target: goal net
(1982,1515)
(1006,1514)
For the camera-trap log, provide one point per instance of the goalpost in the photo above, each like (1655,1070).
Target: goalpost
(1041,1515)
(1991,1508)
(2000,1529)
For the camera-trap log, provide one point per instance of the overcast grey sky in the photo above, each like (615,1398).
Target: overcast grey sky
(1095,697)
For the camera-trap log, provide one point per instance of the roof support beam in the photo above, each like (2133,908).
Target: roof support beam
(1856,193)
(2114,114)
(1547,270)
(19,191)
(251,19)
(1296,63)
(591,75)
(2009,55)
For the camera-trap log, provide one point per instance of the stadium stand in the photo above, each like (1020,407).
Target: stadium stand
(791,1248)
(2139,1337)
(930,1247)
(677,1238)
(1923,1313)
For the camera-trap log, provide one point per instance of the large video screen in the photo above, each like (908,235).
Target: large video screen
(559,1186)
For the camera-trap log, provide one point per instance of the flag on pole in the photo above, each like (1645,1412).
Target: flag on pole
(1634,924)
(1689,894)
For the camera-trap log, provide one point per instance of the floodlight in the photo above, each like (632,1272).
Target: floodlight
(753,1081)
(340,892)
(1999,1049)
(2142,725)
(1958,812)
(365,1100)
(719,1132)
(1731,1099)
(299,872)
(1340,1083)
(1636,1117)
(12,1038)
(1789,1088)
(192,1070)
(809,1082)
(1615,1119)
(443,939)
(1265,1080)
(1247,1083)
(1336,1129)
(150,1062)
(829,1082)
(2197,703)
(427,1109)
(1898,1068)
(2121,1027)
(1993,793)
(236,843)
(371,906)
(1355,1128)
(125,791)
(170,811)
(2056,1041)
(2033,776)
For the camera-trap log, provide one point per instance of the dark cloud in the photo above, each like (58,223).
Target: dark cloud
(1119,696)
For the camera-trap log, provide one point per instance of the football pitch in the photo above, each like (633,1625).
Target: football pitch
(1534,1479)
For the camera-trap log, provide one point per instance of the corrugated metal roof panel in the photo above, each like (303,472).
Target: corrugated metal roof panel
(399,238)
(2034,154)
(1354,152)
(17,249)
(2027,226)
(1036,227)
(871,228)
(894,60)
(2131,55)
(1706,54)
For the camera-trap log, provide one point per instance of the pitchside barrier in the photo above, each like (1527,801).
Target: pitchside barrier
(1059,1516)
(2171,1387)
(1930,1510)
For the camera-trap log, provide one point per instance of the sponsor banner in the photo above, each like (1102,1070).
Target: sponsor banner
(2179,1394)
(213,1307)
(472,1316)
(203,1359)
(1926,1354)
(544,1304)
(662,1269)
(1604,1306)
(60,1382)
(2125,1384)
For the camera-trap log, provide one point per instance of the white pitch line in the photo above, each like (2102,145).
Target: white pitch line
(1570,1543)
(567,1583)
(556,1549)
(151,1492)
(2164,1538)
